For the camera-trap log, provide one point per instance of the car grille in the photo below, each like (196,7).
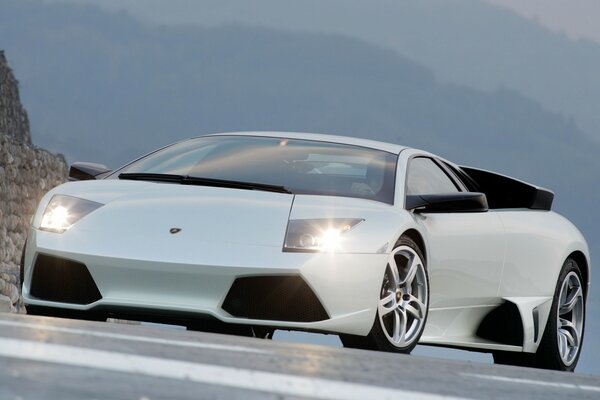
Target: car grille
(61,280)
(275,298)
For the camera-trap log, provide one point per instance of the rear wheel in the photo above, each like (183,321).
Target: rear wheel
(561,344)
(403,303)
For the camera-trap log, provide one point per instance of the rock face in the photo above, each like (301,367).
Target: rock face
(13,117)
(26,173)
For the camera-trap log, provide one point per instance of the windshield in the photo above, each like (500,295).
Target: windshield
(299,166)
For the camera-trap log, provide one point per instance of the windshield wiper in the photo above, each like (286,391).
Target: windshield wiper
(144,176)
(192,180)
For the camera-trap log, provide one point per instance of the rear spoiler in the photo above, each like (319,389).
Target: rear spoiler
(505,192)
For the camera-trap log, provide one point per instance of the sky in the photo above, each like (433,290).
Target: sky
(578,19)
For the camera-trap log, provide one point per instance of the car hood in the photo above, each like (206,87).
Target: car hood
(143,211)
(137,218)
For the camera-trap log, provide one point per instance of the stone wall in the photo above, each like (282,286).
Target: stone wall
(26,173)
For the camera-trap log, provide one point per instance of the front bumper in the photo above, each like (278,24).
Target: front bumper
(182,279)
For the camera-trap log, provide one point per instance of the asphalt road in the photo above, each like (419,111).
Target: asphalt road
(47,358)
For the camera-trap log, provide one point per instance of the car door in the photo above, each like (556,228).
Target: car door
(465,249)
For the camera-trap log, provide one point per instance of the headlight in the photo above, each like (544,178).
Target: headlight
(314,235)
(63,211)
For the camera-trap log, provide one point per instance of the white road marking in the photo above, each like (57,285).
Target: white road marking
(287,385)
(143,339)
(534,382)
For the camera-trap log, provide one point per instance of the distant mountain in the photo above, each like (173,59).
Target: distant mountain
(462,41)
(104,87)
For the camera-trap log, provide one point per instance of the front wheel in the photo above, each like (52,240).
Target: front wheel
(403,303)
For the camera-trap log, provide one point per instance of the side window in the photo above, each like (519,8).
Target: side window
(426,177)
(460,176)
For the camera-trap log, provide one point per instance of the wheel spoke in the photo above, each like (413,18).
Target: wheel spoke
(562,344)
(412,271)
(563,293)
(399,326)
(571,301)
(415,307)
(393,267)
(570,339)
(388,304)
(570,332)
(396,327)
(413,311)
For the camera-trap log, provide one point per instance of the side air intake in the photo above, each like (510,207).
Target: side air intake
(503,325)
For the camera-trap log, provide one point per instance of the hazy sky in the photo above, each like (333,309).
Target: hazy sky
(576,18)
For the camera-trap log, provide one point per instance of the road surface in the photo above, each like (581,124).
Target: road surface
(48,358)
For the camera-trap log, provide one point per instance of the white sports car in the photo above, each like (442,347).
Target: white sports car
(385,245)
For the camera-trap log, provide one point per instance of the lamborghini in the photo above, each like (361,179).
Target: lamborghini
(384,245)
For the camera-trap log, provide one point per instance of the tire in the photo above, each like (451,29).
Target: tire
(561,342)
(403,303)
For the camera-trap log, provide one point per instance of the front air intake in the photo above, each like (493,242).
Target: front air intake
(274,298)
(61,280)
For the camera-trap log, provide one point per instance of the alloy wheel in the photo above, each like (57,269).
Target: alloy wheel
(570,318)
(404,299)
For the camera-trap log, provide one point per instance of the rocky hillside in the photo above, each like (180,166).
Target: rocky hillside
(26,173)
(13,117)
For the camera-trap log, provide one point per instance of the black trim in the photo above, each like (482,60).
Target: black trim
(192,321)
(87,315)
(22,267)
(459,202)
(192,180)
(503,325)
(274,298)
(536,323)
(506,192)
(61,280)
(85,171)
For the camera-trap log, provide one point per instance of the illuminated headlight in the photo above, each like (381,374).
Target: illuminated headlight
(314,235)
(63,211)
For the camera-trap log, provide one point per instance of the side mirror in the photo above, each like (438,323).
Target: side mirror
(447,203)
(84,171)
